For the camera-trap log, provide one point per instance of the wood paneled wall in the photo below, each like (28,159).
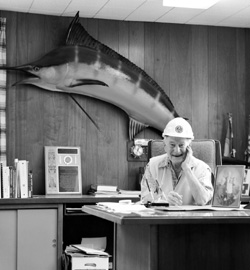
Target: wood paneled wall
(203,70)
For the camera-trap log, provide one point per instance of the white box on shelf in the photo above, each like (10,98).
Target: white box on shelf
(79,262)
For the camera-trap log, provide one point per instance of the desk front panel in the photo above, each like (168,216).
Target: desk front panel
(204,246)
(183,247)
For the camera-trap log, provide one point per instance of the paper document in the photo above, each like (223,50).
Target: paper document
(98,243)
(198,208)
(90,247)
(90,251)
(121,207)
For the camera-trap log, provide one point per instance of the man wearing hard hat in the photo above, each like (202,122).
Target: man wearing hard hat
(177,177)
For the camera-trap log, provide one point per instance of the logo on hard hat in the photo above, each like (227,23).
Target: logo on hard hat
(179,129)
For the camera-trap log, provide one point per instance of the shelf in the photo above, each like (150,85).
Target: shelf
(234,161)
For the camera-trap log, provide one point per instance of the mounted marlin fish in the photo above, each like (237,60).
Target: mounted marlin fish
(85,66)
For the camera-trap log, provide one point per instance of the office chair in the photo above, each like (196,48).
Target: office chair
(207,150)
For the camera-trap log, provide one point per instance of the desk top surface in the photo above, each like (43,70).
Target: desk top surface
(171,217)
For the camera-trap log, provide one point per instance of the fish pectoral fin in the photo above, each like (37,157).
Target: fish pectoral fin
(79,105)
(81,82)
(135,127)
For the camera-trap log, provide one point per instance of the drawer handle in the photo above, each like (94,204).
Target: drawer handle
(90,264)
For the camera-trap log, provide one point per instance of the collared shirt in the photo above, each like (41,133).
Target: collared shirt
(160,177)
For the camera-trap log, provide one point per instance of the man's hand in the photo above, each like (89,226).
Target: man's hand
(174,198)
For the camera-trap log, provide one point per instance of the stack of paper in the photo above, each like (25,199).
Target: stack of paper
(112,191)
(90,251)
(121,207)
(93,246)
(130,193)
(103,190)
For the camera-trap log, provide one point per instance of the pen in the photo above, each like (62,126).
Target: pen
(149,204)
(163,194)
(149,189)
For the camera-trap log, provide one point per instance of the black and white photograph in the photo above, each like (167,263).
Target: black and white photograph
(228,185)
(124,134)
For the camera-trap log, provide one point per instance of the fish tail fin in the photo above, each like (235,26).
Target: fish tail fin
(135,127)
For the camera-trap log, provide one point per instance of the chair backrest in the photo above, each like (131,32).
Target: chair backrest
(207,150)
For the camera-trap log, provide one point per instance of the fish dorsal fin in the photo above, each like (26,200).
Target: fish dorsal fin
(135,127)
(77,35)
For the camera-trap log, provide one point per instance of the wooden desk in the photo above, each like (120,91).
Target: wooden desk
(180,240)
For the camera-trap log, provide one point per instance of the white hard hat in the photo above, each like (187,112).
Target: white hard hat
(178,127)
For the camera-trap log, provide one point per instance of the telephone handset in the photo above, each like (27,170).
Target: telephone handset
(188,149)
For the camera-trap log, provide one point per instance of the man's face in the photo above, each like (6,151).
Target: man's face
(176,148)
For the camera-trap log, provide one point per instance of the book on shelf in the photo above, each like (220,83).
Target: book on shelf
(102,190)
(11,182)
(130,192)
(1,179)
(15,181)
(30,184)
(22,167)
(110,188)
(103,193)
(6,182)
